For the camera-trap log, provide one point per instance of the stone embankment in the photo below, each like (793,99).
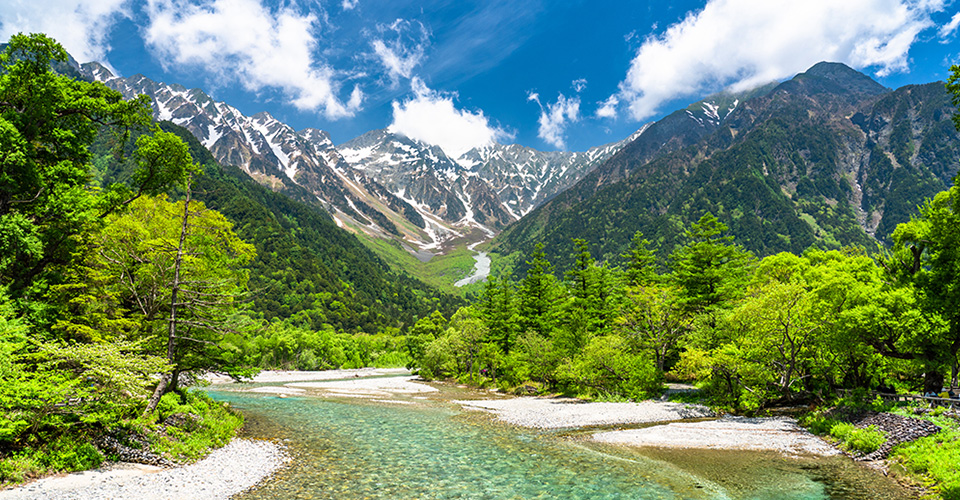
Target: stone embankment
(897,429)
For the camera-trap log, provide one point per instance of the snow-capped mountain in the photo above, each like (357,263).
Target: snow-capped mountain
(524,178)
(275,155)
(381,183)
(426,177)
(492,185)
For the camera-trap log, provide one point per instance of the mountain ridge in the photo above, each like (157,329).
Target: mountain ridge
(826,158)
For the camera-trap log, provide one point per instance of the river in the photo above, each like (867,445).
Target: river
(350,448)
(481,268)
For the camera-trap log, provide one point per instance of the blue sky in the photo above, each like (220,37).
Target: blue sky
(547,74)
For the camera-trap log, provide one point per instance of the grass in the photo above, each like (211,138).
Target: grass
(66,453)
(442,271)
(199,425)
(933,460)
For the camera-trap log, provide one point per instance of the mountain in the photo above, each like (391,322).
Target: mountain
(491,186)
(381,183)
(306,268)
(304,165)
(525,178)
(829,157)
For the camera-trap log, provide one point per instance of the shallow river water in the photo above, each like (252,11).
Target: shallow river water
(355,449)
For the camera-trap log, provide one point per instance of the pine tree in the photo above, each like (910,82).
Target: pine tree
(498,313)
(710,269)
(640,262)
(538,295)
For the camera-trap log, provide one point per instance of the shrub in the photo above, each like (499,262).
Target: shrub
(851,438)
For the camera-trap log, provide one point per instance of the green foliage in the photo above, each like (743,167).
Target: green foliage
(935,458)
(709,269)
(85,262)
(67,453)
(192,424)
(854,439)
(607,366)
(851,438)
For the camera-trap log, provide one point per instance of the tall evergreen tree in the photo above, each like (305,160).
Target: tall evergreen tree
(710,268)
(640,262)
(499,313)
(538,295)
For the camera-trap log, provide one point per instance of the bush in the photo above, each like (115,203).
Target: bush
(608,368)
(851,438)
(67,453)
(192,424)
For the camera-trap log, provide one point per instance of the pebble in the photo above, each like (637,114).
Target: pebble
(226,472)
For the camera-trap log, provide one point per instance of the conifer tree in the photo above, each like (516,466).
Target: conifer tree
(538,295)
(710,269)
(640,262)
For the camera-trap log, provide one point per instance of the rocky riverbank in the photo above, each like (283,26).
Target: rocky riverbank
(226,472)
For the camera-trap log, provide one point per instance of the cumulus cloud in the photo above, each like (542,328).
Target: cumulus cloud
(948,29)
(81,26)
(349,4)
(608,108)
(400,54)
(739,44)
(554,118)
(243,41)
(432,117)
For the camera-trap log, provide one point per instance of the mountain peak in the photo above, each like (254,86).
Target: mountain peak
(845,77)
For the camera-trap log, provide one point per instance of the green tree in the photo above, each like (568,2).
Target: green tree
(710,269)
(654,320)
(181,281)
(498,311)
(538,296)
(640,263)
(926,259)
(47,122)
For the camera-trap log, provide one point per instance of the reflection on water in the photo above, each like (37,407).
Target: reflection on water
(361,450)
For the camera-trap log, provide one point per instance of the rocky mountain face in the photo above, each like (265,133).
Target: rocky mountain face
(493,185)
(828,158)
(380,183)
(526,178)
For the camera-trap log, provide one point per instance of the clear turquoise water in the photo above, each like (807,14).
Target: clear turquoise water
(363,450)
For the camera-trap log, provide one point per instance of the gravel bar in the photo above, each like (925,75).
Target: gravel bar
(728,433)
(227,471)
(565,413)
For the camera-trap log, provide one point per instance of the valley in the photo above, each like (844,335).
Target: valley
(709,283)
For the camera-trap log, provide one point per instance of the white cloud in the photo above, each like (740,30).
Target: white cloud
(349,4)
(579,84)
(81,26)
(608,108)
(554,118)
(948,29)
(740,44)
(404,52)
(433,118)
(243,41)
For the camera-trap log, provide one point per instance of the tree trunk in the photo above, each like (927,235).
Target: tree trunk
(157,393)
(172,322)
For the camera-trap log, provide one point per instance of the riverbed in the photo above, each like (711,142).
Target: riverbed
(481,267)
(384,440)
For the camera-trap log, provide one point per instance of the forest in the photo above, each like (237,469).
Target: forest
(753,332)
